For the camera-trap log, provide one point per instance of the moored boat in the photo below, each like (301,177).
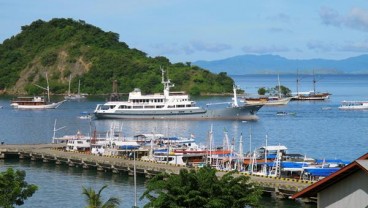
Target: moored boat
(77,96)
(310,95)
(172,105)
(354,105)
(267,100)
(36,102)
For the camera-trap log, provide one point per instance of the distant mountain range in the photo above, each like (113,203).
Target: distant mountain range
(273,64)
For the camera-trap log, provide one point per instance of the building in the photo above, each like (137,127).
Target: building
(347,187)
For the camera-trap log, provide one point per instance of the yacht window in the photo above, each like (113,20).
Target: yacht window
(159,106)
(171,106)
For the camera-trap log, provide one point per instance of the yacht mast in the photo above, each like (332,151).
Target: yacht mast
(278,80)
(70,80)
(167,84)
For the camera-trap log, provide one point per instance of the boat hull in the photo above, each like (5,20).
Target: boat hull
(246,112)
(281,101)
(45,106)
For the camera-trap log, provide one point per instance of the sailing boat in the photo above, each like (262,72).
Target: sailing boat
(310,95)
(35,102)
(269,100)
(77,96)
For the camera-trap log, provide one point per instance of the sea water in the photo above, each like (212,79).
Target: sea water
(316,129)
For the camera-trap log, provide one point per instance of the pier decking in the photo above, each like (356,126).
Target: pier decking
(54,153)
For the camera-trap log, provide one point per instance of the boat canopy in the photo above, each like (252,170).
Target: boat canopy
(274,148)
(321,171)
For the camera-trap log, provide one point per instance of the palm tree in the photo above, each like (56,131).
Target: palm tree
(94,199)
(202,188)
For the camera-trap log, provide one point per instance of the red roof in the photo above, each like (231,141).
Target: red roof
(312,190)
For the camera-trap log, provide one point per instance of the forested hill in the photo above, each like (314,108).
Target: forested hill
(64,47)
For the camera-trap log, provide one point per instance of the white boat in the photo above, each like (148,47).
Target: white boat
(354,105)
(268,100)
(77,96)
(78,142)
(36,102)
(85,115)
(172,105)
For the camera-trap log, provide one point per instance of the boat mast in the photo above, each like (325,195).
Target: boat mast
(70,80)
(211,140)
(55,130)
(79,88)
(278,80)
(241,160)
(47,88)
(314,83)
(297,82)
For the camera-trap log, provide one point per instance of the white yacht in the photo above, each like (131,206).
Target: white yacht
(172,105)
(354,105)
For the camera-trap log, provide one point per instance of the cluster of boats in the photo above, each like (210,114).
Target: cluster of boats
(168,105)
(267,160)
(178,105)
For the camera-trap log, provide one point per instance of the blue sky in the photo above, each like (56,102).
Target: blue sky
(191,30)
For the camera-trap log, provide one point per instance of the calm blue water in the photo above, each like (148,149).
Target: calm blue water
(314,132)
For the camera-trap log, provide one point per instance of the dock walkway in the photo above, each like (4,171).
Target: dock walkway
(54,153)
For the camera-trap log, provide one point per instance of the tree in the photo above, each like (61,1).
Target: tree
(94,199)
(201,189)
(286,92)
(262,91)
(14,190)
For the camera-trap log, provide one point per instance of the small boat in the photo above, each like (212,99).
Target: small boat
(173,105)
(354,105)
(283,113)
(77,96)
(85,115)
(36,102)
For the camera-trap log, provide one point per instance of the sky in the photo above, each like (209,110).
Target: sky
(192,30)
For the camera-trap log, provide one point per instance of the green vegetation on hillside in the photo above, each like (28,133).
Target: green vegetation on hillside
(63,47)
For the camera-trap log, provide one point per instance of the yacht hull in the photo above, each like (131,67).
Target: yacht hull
(246,112)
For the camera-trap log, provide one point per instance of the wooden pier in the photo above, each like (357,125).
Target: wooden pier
(54,153)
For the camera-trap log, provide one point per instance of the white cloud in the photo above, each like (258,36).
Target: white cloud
(357,18)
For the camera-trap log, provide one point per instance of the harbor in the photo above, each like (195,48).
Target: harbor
(55,153)
(313,131)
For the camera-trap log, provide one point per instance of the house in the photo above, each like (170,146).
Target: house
(347,187)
